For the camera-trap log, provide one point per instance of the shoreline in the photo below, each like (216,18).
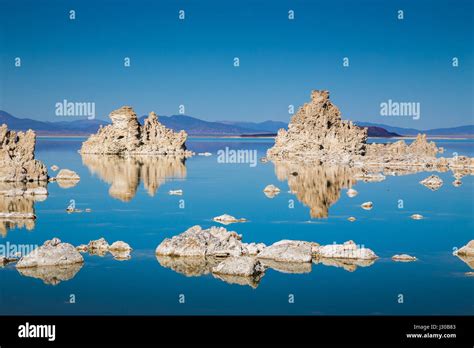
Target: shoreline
(261,137)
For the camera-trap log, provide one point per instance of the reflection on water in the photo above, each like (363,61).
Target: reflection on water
(17,205)
(468,260)
(199,266)
(52,275)
(317,187)
(125,173)
(347,264)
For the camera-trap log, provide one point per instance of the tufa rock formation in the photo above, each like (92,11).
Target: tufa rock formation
(52,253)
(126,136)
(222,253)
(317,132)
(17,157)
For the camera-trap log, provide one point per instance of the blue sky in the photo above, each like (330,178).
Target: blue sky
(190,62)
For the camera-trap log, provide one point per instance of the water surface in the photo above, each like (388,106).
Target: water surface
(130,202)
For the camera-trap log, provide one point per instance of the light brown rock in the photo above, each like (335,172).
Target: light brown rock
(317,131)
(52,253)
(433,182)
(126,136)
(404,258)
(227,219)
(17,157)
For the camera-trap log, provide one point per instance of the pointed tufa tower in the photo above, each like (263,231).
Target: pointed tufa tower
(126,136)
(317,131)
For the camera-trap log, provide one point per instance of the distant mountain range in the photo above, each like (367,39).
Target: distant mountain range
(197,127)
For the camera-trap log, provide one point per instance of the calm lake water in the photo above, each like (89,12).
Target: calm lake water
(130,202)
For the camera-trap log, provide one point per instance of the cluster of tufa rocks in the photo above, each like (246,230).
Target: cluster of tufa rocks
(317,134)
(119,249)
(223,254)
(126,136)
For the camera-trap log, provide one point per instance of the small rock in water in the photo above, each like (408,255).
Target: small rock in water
(226,219)
(367,205)
(351,193)
(348,250)
(288,251)
(176,192)
(120,250)
(98,245)
(469,274)
(271,191)
(457,183)
(88,210)
(54,168)
(370,177)
(120,246)
(264,160)
(244,266)
(404,258)
(66,174)
(52,253)
(417,217)
(73,210)
(433,182)
(83,248)
(351,219)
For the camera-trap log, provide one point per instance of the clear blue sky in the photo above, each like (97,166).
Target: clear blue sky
(190,62)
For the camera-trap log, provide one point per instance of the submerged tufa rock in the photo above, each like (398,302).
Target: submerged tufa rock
(67,174)
(404,258)
(348,250)
(126,136)
(433,182)
(245,266)
(215,241)
(52,253)
(288,251)
(227,219)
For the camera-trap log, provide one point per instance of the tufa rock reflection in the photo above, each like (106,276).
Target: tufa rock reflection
(17,200)
(124,174)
